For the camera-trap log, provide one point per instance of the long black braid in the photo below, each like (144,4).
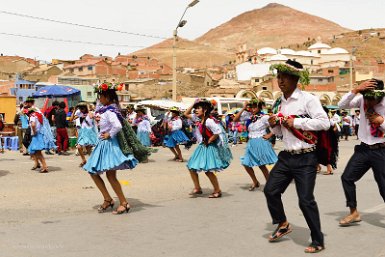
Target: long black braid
(207,110)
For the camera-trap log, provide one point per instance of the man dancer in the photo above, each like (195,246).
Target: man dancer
(298,113)
(371,152)
(346,125)
(356,122)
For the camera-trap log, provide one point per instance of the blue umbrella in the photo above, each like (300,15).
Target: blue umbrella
(56,91)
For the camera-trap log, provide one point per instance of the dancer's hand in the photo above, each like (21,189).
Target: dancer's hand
(366,85)
(272,121)
(375,118)
(105,135)
(288,122)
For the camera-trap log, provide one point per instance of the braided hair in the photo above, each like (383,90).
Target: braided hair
(207,109)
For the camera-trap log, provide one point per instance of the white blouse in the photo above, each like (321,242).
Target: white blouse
(109,123)
(211,125)
(258,128)
(37,125)
(175,124)
(144,126)
(87,122)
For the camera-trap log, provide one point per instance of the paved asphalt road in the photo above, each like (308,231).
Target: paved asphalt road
(54,214)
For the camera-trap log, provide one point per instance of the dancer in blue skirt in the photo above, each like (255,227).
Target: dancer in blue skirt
(107,155)
(212,153)
(88,132)
(259,151)
(176,136)
(37,144)
(142,122)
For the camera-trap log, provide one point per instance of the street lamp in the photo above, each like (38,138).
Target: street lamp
(351,68)
(181,23)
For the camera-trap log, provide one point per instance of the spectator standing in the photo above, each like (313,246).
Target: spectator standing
(60,120)
(346,124)
(356,122)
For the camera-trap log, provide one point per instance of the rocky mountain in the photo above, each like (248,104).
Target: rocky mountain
(274,25)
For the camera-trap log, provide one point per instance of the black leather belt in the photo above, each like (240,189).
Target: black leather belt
(375,146)
(301,151)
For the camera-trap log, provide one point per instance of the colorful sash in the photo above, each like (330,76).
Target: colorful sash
(309,137)
(374,128)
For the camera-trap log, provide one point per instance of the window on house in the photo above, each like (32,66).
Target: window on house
(311,62)
(89,94)
(264,88)
(330,71)
(319,80)
(89,68)
(71,70)
(256,80)
(80,68)
(319,51)
(21,99)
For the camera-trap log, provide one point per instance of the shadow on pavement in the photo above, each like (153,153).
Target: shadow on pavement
(4,173)
(299,236)
(136,205)
(51,168)
(374,219)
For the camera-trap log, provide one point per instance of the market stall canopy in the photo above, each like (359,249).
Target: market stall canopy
(56,91)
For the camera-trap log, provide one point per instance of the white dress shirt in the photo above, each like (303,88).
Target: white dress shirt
(351,100)
(301,103)
(347,120)
(356,120)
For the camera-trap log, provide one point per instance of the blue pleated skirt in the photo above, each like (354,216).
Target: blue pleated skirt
(177,137)
(37,143)
(144,138)
(108,156)
(210,158)
(87,137)
(258,152)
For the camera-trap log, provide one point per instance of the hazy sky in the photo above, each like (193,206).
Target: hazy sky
(151,17)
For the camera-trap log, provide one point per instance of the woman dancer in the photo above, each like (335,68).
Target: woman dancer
(87,133)
(176,136)
(107,155)
(259,151)
(212,153)
(37,143)
(327,147)
(143,126)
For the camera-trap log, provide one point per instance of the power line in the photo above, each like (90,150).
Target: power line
(80,25)
(68,40)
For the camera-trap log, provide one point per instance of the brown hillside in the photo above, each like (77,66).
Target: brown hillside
(274,25)
(369,43)
(189,53)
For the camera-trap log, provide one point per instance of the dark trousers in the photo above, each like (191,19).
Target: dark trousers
(303,169)
(362,160)
(61,139)
(356,127)
(345,131)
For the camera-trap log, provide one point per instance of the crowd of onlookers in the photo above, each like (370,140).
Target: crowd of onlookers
(60,121)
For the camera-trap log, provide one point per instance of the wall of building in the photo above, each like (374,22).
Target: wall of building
(8,107)
(87,92)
